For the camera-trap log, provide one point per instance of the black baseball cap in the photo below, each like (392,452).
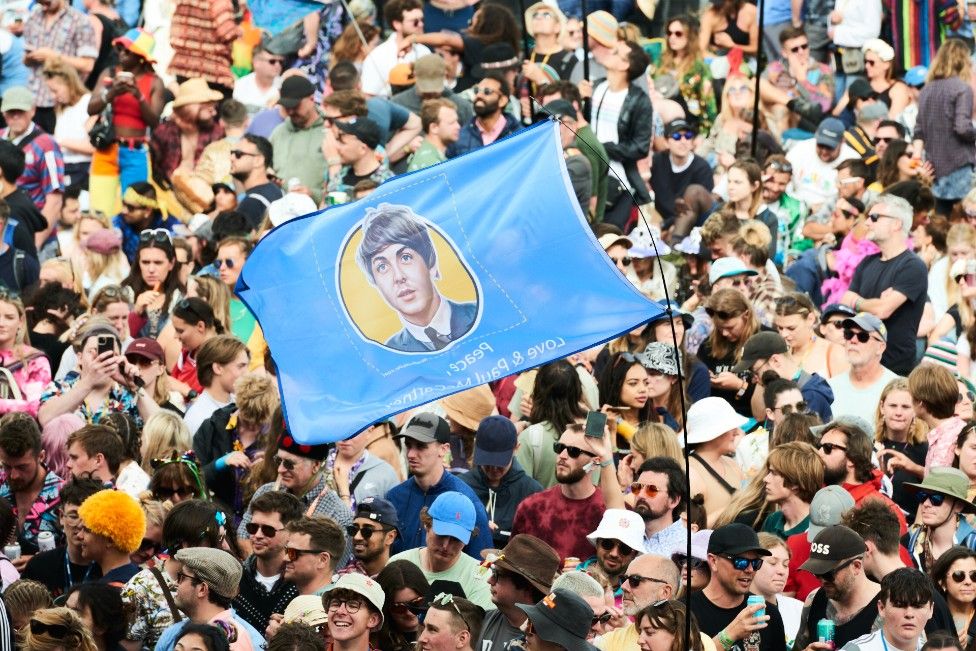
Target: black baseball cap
(761,345)
(294,90)
(559,108)
(831,547)
(735,538)
(367,131)
(678,125)
(836,308)
(378,510)
(426,427)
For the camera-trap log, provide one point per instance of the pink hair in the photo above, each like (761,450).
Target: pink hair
(54,440)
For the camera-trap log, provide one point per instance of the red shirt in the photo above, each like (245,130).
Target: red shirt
(560,521)
(185,370)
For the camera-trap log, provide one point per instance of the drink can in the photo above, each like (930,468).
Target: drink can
(336,198)
(12,551)
(825,631)
(45,541)
(755,599)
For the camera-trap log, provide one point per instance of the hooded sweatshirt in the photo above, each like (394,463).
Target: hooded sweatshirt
(817,394)
(871,489)
(501,502)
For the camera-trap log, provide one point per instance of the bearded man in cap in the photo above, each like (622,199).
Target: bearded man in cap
(522,574)
(205,587)
(297,141)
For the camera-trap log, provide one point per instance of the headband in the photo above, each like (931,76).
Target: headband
(499,65)
(188,459)
(136,199)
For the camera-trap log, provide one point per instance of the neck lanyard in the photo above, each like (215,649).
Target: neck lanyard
(69,580)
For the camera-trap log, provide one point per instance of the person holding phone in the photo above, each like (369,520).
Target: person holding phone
(105,382)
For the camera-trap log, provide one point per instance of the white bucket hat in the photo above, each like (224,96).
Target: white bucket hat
(711,417)
(623,525)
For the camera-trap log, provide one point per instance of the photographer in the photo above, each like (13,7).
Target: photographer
(105,383)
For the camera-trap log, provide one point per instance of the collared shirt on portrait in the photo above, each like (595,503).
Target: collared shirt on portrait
(441,323)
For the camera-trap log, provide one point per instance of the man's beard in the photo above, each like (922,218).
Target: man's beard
(834,476)
(240,175)
(369,554)
(570,476)
(483,108)
(644,510)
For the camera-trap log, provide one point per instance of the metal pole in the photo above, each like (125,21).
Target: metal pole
(755,98)
(586,42)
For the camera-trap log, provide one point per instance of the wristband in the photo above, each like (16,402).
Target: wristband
(221,463)
(724,639)
(604,464)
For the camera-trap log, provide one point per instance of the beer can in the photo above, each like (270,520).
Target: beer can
(825,631)
(12,551)
(45,541)
(336,198)
(755,599)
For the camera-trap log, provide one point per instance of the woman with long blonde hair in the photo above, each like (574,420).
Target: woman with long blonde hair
(943,288)
(25,371)
(733,122)
(57,629)
(734,321)
(945,126)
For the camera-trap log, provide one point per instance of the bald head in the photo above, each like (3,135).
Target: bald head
(660,579)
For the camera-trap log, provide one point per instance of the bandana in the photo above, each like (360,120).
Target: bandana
(136,199)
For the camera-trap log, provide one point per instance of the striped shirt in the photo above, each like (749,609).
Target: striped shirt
(43,165)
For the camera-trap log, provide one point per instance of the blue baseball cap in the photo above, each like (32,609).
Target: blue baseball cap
(916,76)
(676,313)
(494,442)
(453,515)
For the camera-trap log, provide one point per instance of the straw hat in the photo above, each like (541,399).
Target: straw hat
(195,91)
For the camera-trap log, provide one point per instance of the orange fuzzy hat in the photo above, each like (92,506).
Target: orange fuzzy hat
(117,516)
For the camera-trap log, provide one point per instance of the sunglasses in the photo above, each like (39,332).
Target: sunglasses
(608,545)
(412,606)
(275,62)
(116,291)
(157,235)
(830,575)
(445,599)
(237,153)
(187,306)
(799,408)
(836,323)
(483,90)
(870,62)
(935,498)
(829,448)
(625,261)
(796,49)
(229,263)
(781,166)
(289,464)
(57,631)
(571,450)
(967,395)
(884,139)
(683,135)
(292,555)
(366,530)
(693,563)
(677,33)
(128,207)
(741,563)
(148,545)
(168,493)
(876,216)
(650,490)
(721,315)
(601,619)
(860,335)
(634,580)
(266,529)
(958,576)
(352,604)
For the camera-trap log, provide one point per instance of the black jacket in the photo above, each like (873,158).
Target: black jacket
(634,131)
(255,604)
(514,487)
(212,441)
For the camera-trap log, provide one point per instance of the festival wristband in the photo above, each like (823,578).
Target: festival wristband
(221,463)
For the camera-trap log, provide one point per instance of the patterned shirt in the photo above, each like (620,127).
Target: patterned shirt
(43,166)
(70,34)
(152,613)
(43,514)
(119,399)
(167,150)
(667,540)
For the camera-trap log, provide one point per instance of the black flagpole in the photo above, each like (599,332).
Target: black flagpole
(760,59)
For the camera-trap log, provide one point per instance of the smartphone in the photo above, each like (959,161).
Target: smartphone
(596,424)
(106,343)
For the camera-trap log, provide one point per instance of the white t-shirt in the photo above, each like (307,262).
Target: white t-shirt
(132,480)
(375,78)
(852,401)
(267,581)
(814,181)
(790,610)
(202,409)
(70,125)
(607,105)
(246,92)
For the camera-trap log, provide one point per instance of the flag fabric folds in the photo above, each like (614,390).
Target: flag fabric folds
(438,281)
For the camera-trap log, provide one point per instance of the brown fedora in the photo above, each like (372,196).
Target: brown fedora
(531,558)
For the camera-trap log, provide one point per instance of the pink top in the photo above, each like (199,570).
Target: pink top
(32,378)
(942,443)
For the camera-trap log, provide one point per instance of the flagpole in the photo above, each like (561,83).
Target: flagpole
(755,95)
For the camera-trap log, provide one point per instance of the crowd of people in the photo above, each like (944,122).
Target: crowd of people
(783,457)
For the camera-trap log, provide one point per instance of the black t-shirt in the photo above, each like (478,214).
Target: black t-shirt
(27,276)
(860,624)
(562,62)
(669,185)
(907,274)
(49,344)
(255,203)
(905,500)
(719,364)
(470,58)
(712,620)
(29,221)
(49,568)
(351,178)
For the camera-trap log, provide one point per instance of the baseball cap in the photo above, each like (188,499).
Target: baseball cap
(429,73)
(559,108)
(859,89)
(294,90)
(146,348)
(17,98)
(831,547)
(379,510)
(735,538)
(494,442)
(845,420)
(367,131)
(873,111)
(426,428)
(725,267)
(830,133)
(761,345)
(401,75)
(826,508)
(678,125)
(453,515)
(361,585)
(836,308)
(916,76)
(868,323)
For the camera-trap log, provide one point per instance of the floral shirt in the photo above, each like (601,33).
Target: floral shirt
(119,399)
(695,86)
(43,514)
(942,443)
(31,377)
(152,614)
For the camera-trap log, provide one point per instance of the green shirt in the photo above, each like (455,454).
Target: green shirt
(775,522)
(466,571)
(298,154)
(594,152)
(425,156)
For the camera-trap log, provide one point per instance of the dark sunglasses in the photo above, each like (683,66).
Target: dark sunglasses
(829,448)
(274,61)
(830,575)
(289,464)
(693,563)
(167,493)
(608,545)
(229,263)
(967,394)
(683,135)
(870,62)
(741,563)
(413,606)
(626,260)
(796,49)
(924,496)
(57,631)
(885,139)
(860,335)
(292,554)
(148,545)
(634,580)
(187,306)
(601,619)
(721,315)
(799,408)
(571,450)
(876,216)
(958,576)
(157,235)
(781,166)
(366,530)
(237,153)
(266,529)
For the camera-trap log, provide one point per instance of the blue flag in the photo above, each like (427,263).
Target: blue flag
(438,281)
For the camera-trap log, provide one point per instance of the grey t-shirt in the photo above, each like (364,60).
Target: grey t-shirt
(496,633)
